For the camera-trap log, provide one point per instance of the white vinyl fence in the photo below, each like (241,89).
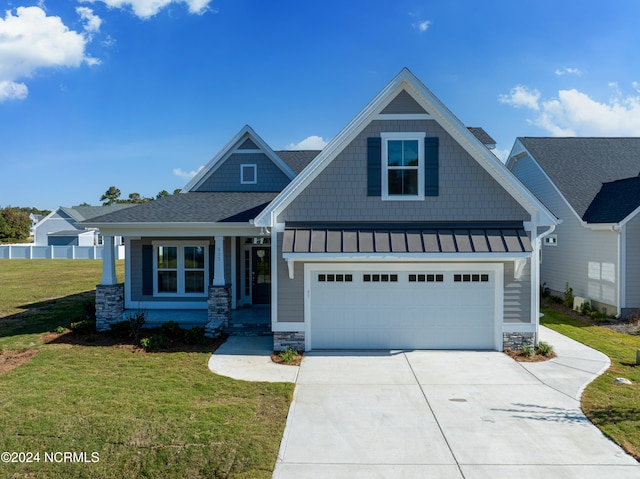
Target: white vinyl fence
(17,251)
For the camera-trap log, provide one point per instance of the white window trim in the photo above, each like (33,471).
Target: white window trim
(254,167)
(419,136)
(181,286)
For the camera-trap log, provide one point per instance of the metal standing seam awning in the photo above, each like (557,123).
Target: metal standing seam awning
(305,243)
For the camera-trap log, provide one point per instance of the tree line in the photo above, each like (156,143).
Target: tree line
(15,223)
(112,196)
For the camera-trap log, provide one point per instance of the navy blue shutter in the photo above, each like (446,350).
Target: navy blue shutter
(147,270)
(431,163)
(374,166)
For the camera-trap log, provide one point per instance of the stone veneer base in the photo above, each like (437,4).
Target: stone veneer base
(518,340)
(109,305)
(283,340)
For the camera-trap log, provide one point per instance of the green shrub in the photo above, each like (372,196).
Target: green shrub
(130,327)
(85,326)
(195,336)
(136,323)
(527,351)
(288,355)
(157,341)
(568,296)
(60,329)
(585,308)
(172,330)
(89,308)
(544,348)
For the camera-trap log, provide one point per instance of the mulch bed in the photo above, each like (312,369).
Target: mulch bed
(275,357)
(522,358)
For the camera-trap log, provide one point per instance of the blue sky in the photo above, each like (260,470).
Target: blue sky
(141,93)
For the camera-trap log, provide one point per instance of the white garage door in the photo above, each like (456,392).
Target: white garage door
(387,309)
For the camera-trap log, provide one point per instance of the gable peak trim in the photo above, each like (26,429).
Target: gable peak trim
(234,146)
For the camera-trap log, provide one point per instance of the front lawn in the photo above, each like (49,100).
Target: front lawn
(614,408)
(153,415)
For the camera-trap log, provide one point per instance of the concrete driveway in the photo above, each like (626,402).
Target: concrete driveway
(446,414)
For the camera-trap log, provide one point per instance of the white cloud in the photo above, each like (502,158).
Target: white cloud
(310,143)
(31,40)
(13,91)
(568,71)
(186,174)
(574,113)
(422,26)
(521,96)
(91,21)
(149,8)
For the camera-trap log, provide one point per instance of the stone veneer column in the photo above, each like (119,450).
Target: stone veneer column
(219,310)
(517,340)
(109,305)
(284,339)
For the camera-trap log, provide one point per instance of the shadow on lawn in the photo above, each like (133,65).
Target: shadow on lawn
(45,317)
(109,340)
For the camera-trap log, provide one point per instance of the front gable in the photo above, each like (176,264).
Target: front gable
(447,174)
(245,164)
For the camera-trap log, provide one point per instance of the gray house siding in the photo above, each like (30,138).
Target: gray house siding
(227,176)
(583,258)
(403,104)
(290,291)
(632,264)
(136,278)
(56,222)
(517,295)
(467,192)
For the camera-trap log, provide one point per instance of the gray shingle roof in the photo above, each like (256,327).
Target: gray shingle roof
(615,201)
(482,135)
(83,213)
(297,159)
(579,166)
(191,208)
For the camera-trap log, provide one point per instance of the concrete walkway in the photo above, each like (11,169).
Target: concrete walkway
(248,358)
(436,414)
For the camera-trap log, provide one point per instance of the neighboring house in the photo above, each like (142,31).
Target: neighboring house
(35,219)
(61,227)
(592,186)
(405,232)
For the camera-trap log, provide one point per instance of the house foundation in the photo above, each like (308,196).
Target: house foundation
(109,305)
(518,340)
(283,340)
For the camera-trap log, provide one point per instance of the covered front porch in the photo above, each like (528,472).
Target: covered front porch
(222,283)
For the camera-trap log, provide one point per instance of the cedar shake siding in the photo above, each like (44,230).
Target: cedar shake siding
(227,176)
(466,192)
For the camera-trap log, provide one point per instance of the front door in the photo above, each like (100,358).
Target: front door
(261,275)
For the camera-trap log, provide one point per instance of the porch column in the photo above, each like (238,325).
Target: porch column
(108,262)
(218,264)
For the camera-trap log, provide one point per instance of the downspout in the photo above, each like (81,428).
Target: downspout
(622,239)
(536,285)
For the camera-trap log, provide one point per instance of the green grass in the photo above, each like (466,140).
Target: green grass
(161,415)
(614,408)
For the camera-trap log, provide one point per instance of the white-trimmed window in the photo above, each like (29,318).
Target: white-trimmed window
(180,268)
(551,240)
(248,174)
(403,166)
